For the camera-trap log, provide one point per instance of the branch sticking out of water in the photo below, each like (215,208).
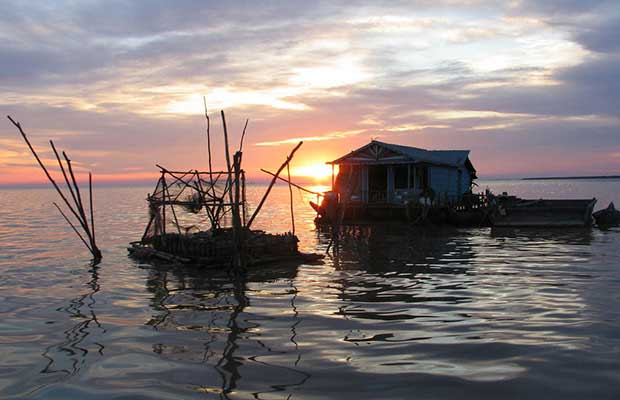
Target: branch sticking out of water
(74,191)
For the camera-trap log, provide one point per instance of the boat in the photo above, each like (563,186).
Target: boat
(511,211)
(607,217)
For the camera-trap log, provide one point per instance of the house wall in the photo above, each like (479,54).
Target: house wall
(445,181)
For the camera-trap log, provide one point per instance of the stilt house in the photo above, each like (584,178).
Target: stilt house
(383,173)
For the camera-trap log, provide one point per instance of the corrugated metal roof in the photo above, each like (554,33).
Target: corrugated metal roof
(451,157)
(445,157)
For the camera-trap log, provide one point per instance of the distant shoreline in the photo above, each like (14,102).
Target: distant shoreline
(570,178)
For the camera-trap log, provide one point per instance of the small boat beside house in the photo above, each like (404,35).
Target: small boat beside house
(607,217)
(511,211)
(389,181)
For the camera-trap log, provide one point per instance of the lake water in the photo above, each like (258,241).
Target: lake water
(400,314)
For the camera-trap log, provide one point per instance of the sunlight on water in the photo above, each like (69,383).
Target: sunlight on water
(402,312)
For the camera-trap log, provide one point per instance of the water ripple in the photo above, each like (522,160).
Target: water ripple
(399,312)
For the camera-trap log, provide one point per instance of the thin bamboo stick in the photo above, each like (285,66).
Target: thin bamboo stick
(290,190)
(36,156)
(243,135)
(64,174)
(235,210)
(208,122)
(262,201)
(90,201)
(79,215)
(73,227)
(292,183)
(243,198)
(79,203)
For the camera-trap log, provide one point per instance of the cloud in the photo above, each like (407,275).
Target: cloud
(327,136)
(602,36)
(120,84)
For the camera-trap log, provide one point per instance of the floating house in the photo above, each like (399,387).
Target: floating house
(388,174)
(383,180)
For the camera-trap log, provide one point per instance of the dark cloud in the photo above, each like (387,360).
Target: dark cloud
(554,8)
(602,36)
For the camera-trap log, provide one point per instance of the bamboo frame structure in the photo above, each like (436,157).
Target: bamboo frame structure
(214,203)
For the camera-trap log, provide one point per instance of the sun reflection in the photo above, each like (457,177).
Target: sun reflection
(317,172)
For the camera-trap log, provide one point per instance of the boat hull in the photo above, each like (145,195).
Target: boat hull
(544,213)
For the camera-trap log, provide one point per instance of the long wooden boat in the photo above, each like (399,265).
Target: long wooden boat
(515,212)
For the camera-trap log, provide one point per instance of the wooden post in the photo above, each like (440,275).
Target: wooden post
(234,208)
(262,201)
(290,190)
(211,188)
(236,216)
(332,177)
(243,198)
(164,189)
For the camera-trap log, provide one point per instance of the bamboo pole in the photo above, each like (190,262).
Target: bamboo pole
(174,214)
(237,260)
(202,199)
(64,174)
(72,227)
(262,201)
(208,122)
(164,186)
(243,135)
(76,200)
(79,203)
(243,198)
(290,190)
(49,177)
(241,236)
(79,215)
(292,183)
(90,201)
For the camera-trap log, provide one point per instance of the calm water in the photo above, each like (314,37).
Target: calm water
(470,313)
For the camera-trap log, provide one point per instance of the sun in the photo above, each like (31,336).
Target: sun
(317,172)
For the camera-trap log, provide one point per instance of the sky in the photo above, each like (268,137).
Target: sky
(532,88)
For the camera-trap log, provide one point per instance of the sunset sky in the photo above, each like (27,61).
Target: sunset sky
(530,87)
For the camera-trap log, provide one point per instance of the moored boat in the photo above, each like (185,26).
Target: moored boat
(515,212)
(608,216)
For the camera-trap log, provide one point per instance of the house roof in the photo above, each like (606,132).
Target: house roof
(443,157)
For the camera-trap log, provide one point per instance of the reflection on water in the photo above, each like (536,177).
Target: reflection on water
(398,312)
(206,317)
(71,354)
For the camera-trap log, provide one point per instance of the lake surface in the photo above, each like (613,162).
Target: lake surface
(400,314)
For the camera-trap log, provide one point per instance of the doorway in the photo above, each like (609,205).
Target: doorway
(377,183)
